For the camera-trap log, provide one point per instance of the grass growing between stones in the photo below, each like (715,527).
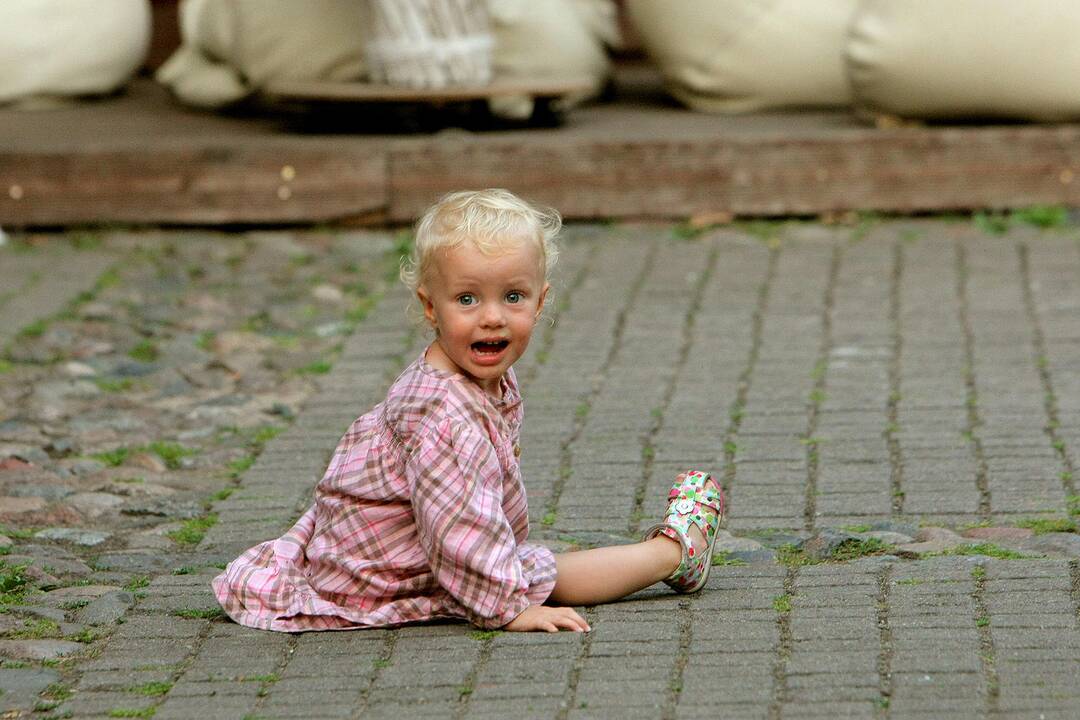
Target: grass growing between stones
(1049,525)
(791,555)
(986,549)
(200,613)
(482,635)
(193,531)
(171,454)
(152,689)
(1072,504)
(14,583)
(36,630)
(133,712)
(723,557)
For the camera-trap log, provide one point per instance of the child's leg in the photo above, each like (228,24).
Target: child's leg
(590,577)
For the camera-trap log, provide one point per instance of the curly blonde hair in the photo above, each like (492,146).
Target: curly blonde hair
(493,220)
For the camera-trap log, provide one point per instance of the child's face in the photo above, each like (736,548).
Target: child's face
(483,308)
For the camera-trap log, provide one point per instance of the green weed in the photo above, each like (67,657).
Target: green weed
(484,634)
(113,458)
(170,452)
(319,367)
(34,329)
(152,689)
(1072,504)
(548,519)
(57,691)
(240,465)
(851,549)
(1049,525)
(222,494)
(267,678)
(145,351)
(133,712)
(782,603)
(1042,216)
(856,528)
(723,557)
(991,222)
(193,531)
(987,549)
(792,556)
(14,583)
(264,434)
(137,583)
(200,613)
(114,385)
(36,630)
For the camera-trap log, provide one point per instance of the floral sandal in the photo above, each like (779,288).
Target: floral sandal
(689,498)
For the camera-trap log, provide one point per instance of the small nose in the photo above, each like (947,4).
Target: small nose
(493,315)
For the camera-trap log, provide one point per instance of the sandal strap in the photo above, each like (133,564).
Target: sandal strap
(708,496)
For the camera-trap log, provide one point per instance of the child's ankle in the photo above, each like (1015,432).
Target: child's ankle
(669,550)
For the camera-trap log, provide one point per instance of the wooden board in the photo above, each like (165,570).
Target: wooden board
(901,170)
(376,93)
(211,184)
(140,158)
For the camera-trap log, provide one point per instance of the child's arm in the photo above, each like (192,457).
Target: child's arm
(456,483)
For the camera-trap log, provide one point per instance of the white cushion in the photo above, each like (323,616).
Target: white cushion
(733,56)
(70,47)
(967,58)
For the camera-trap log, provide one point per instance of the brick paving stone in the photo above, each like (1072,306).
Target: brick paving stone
(707,353)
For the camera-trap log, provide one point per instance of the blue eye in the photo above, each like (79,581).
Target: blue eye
(467,299)
(514,297)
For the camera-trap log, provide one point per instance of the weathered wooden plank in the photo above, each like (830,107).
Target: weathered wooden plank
(194,183)
(901,170)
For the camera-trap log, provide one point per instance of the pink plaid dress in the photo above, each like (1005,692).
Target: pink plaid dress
(421,514)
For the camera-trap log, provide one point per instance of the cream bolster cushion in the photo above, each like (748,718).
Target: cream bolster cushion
(967,58)
(732,56)
(550,38)
(232,48)
(70,47)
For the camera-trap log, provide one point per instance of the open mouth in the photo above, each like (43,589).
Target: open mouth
(489,347)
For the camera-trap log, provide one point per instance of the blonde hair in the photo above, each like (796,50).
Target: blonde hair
(492,220)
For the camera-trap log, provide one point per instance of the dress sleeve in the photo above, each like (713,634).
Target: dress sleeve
(456,482)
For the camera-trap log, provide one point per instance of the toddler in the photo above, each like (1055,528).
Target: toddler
(422,512)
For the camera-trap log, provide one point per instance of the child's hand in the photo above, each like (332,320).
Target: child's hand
(547,619)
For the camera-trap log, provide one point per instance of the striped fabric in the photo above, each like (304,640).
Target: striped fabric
(421,514)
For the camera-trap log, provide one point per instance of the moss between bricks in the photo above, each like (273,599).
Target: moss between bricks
(193,531)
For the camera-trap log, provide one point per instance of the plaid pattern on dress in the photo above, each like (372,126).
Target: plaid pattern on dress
(421,514)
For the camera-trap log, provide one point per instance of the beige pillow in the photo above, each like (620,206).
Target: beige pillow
(967,58)
(232,48)
(734,56)
(70,47)
(550,38)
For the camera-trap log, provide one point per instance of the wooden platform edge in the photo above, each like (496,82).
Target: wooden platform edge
(902,171)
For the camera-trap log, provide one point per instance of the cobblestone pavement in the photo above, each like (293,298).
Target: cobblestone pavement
(894,408)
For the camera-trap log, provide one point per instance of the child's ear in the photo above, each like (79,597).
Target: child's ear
(425,302)
(543,299)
